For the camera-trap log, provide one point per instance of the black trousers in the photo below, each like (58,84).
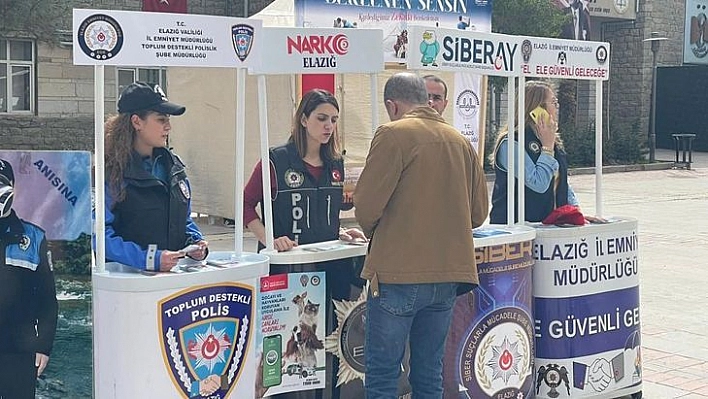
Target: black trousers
(18,375)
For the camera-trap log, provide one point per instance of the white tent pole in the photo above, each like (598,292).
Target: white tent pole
(510,181)
(265,162)
(239,164)
(522,149)
(374,103)
(99,170)
(598,148)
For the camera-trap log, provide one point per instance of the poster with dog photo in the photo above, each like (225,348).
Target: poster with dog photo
(290,340)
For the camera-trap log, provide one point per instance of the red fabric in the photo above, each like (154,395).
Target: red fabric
(566,214)
(318,81)
(174,6)
(253,192)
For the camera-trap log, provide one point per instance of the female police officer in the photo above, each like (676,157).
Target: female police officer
(148,223)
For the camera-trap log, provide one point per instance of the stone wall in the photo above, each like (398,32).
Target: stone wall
(39,133)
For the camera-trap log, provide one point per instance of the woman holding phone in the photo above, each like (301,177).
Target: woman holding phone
(148,196)
(546,164)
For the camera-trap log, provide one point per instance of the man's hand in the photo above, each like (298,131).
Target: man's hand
(169,259)
(40,361)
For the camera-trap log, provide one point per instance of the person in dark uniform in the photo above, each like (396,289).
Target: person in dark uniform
(28,302)
(546,163)
(148,196)
(307,181)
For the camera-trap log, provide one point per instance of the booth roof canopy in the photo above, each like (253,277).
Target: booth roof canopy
(278,13)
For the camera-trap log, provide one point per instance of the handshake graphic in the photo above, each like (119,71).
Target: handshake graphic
(599,374)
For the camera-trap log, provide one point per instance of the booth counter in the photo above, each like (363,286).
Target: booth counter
(489,350)
(178,334)
(586,309)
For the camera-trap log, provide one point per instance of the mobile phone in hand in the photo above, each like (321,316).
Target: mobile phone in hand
(540,113)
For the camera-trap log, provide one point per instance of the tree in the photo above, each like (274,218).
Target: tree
(36,19)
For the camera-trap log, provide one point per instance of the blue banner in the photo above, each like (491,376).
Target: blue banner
(583,325)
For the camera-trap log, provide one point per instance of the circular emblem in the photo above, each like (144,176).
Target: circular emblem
(336,175)
(294,178)
(499,349)
(24,242)
(621,6)
(526,50)
(534,147)
(315,280)
(601,54)
(352,338)
(184,189)
(271,357)
(100,37)
(467,103)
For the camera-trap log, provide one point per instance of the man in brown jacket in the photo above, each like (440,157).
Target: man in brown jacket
(418,198)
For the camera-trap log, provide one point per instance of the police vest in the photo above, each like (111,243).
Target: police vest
(538,205)
(154,212)
(305,210)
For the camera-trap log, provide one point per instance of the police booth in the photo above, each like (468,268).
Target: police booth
(190,332)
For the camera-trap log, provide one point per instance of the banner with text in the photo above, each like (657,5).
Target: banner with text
(107,37)
(53,190)
(586,311)
(564,59)
(291,332)
(324,50)
(394,16)
(489,349)
(453,50)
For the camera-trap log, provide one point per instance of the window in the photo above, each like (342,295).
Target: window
(16,76)
(155,76)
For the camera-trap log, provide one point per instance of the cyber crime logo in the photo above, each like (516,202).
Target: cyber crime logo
(497,352)
(100,37)
(204,337)
(242,40)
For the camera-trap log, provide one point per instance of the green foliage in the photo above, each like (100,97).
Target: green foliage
(526,18)
(37,19)
(72,257)
(623,145)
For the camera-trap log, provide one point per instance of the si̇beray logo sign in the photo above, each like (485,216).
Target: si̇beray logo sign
(204,336)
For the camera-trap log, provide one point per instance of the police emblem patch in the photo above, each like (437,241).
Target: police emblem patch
(184,188)
(534,147)
(242,40)
(24,242)
(294,178)
(100,37)
(204,336)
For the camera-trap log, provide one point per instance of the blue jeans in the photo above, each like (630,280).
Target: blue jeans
(402,313)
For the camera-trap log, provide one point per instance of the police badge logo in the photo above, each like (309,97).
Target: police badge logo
(553,376)
(601,54)
(184,188)
(24,242)
(294,178)
(534,147)
(100,37)
(621,6)
(204,337)
(526,49)
(242,39)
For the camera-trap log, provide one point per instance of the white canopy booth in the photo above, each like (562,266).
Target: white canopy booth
(355,51)
(188,332)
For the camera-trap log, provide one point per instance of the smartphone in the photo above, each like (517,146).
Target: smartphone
(538,113)
(272,362)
